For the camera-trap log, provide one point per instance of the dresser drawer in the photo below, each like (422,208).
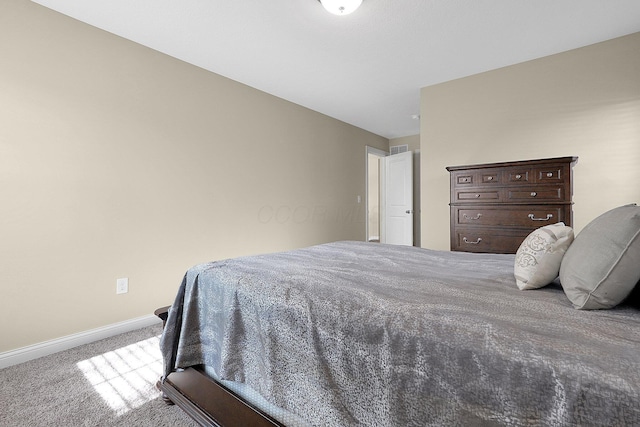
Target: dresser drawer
(534,194)
(529,217)
(487,240)
(537,175)
(518,176)
(478,178)
(477,196)
(550,174)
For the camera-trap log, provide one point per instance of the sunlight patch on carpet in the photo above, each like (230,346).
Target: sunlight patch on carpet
(125,378)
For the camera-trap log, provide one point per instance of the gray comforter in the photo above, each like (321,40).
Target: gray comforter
(352,333)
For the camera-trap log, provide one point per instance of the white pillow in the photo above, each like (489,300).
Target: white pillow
(539,256)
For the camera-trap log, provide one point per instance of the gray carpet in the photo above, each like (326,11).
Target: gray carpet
(106,383)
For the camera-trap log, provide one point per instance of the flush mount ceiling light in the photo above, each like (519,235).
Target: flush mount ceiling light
(341,7)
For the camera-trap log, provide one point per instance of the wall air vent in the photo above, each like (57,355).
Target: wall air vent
(397,149)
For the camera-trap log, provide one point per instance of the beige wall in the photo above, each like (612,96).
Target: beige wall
(118,161)
(585,103)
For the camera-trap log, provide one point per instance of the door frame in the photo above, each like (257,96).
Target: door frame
(376,152)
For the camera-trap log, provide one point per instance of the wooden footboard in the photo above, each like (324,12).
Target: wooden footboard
(208,402)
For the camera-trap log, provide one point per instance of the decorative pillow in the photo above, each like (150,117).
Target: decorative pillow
(539,256)
(602,266)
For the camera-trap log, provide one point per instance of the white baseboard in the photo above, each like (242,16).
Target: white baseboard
(24,354)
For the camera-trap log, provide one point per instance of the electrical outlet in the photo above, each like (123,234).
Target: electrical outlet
(122,285)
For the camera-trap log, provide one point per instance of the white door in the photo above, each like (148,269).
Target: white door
(397,199)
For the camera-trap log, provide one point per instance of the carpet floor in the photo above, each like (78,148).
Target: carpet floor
(110,382)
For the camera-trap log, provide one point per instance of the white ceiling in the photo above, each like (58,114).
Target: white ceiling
(366,68)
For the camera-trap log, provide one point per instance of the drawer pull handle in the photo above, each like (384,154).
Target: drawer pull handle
(534,194)
(518,176)
(533,218)
(464,239)
(477,196)
(475,218)
(489,178)
(549,174)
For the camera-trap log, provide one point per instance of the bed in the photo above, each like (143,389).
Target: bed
(353,333)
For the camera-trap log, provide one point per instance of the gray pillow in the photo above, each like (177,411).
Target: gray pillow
(602,265)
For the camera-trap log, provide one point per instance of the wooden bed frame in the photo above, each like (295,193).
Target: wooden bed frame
(206,401)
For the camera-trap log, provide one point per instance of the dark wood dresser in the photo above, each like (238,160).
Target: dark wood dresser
(495,206)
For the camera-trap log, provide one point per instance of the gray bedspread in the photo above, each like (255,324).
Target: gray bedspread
(352,333)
